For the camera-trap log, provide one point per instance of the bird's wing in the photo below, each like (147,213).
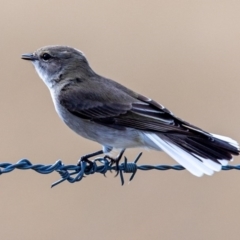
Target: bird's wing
(118,109)
(91,103)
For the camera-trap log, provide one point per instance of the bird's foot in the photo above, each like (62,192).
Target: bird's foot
(115,160)
(86,158)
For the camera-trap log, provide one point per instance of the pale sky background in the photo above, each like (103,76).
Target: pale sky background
(184,54)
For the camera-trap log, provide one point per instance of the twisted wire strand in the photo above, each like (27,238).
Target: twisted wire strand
(75,173)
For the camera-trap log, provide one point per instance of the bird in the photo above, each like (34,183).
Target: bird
(105,111)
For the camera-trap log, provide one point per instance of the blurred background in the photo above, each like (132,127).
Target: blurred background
(184,54)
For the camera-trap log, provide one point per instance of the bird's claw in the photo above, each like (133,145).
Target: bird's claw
(115,161)
(86,160)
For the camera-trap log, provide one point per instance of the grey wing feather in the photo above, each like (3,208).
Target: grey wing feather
(118,107)
(90,103)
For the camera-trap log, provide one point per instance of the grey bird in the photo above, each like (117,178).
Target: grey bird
(102,110)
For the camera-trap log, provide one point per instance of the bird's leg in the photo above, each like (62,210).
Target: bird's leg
(115,160)
(86,158)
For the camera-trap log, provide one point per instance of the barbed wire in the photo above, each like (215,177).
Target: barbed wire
(75,173)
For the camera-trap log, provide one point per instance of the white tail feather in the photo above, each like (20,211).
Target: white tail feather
(210,164)
(193,163)
(168,148)
(223,162)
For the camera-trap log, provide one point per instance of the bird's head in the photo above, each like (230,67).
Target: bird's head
(56,63)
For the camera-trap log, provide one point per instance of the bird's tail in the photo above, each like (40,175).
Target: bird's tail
(199,154)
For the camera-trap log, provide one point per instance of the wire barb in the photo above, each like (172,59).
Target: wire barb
(75,173)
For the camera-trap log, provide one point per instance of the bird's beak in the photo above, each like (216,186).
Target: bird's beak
(29,56)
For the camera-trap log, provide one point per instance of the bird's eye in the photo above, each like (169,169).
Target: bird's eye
(46,56)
